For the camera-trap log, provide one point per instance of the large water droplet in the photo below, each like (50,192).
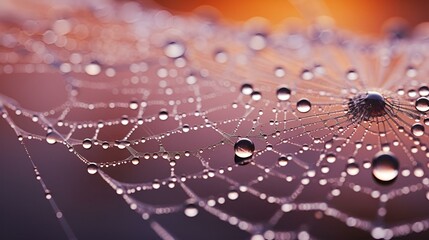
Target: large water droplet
(283,93)
(385,167)
(244,148)
(258,41)
(418,129)
(303,105)
(422,104)
(174,50)
(92,168)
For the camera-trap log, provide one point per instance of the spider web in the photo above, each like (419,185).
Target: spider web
(151,105)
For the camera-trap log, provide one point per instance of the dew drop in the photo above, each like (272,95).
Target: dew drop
(232,195)
(385,167)
(246,89)
(258,41)
(244,148)
(279,72)
(191,210)
(352,75)
(256,96)
(352,169)
(422,104)
(135,161)
(163,115)
(306,75)
(283,93)
(93,69)
(282,161)
(52,138)
(87,143)
(186,128)
(303,105)
(418,130)
(424,91)
(92,168)
(133,105)
(174,50)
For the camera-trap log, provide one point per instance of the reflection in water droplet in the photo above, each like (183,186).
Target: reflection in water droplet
(303,105)
(174,50)
(422,104)
(87,143)
(418,130)
(246,89)
(163,115)
(191,210)
(385,167)
(244,148)
(283,93)
(352,169)
(92,168)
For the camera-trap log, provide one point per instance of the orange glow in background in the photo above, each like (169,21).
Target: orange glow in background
(361,16)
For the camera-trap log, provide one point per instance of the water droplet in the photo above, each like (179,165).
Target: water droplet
(306,75)
(232,195)
(352,75)
(87,143)
(174,50)
(256,96)
(279,72)
(125,120)
(52,138)
(418,130)
(135,160)
(246,89)
(303,105)
(156,184)
(352,169)
(422,104)
(282,161)
(221,57)
(191,79)
(331,158)
(133,105)
(92,168)
(163,115)
(424,91)
(244,148)
(385,167)
(191,210)
(283,93)
(186,128)
(258,41)
(93,69)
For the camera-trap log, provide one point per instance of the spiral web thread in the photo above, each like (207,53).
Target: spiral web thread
(162,94)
